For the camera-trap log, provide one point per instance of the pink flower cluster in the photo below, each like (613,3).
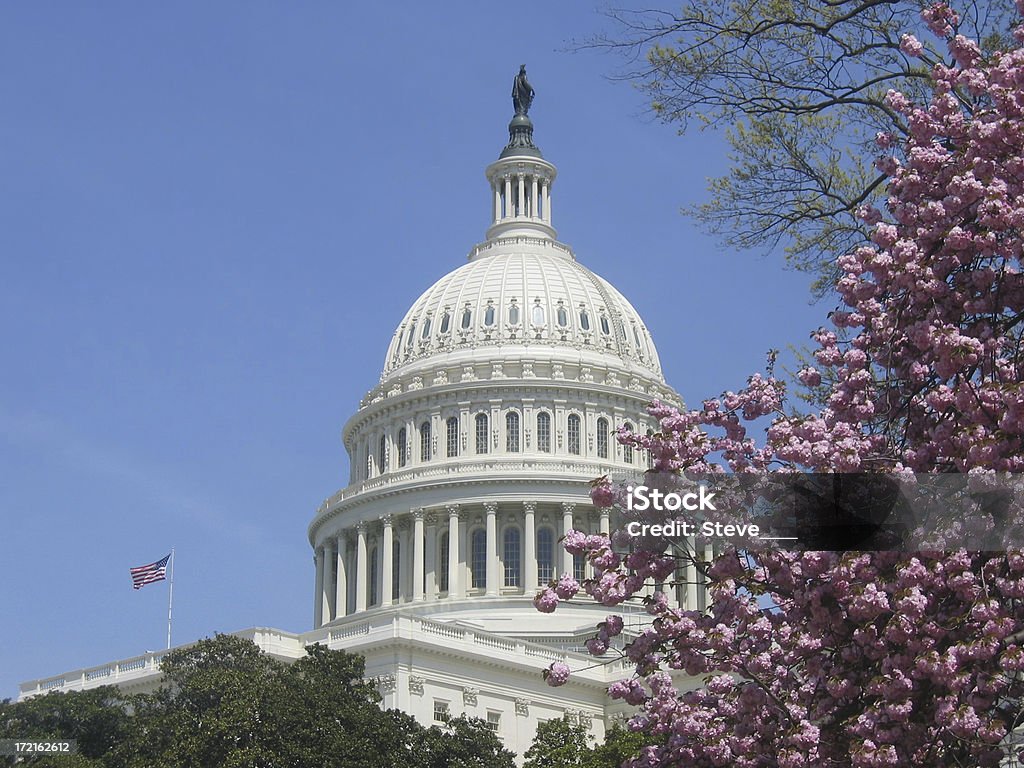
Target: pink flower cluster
(864,659)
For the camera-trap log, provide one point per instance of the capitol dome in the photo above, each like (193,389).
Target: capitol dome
(522,296)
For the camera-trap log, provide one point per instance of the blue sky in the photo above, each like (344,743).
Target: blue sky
(213,216)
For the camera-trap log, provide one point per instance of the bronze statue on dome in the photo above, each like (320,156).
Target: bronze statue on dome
(522,92)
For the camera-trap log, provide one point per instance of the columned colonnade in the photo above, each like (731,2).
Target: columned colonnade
(486,549)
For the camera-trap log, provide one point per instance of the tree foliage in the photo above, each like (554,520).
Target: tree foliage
(226,704)
(800,87)
(563,744)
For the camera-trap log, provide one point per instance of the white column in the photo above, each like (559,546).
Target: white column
(547,202)
(509,207)
(388,562)
(606,526)
(417,555)
(454,560)
(567,508)
(330,556)
(318,591)
(497,201)
(341,588)
(529,547)
(361,567)
(522,195)
(493,586)
(430,561)
(533,197)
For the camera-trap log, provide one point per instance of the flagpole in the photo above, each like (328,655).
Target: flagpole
(170,601)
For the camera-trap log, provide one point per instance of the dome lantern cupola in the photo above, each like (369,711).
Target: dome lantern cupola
(521,178)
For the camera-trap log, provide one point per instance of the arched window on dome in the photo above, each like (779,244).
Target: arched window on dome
(512,432)
(425,441)
(489,315)
(374,577)
(446,322)
(537,314)
(513,313)
(512,557)
(402,448)
(584,319)
(573,434)
(478,558)
(545,556)
(481,432)
(627,450)
(562,316)
(425,334)
(544,432)
(467,318)
(639,344)
(382,454)
(602,438)
(605,327)
(452,442)
(410,340)
(442,563)
(396,571)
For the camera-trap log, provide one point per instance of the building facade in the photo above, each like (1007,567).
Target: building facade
(500,393)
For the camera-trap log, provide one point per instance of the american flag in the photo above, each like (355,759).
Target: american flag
(145,574)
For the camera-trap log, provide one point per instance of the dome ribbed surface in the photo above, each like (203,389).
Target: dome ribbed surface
(559,304)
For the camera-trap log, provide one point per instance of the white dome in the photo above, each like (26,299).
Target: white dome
(522,296)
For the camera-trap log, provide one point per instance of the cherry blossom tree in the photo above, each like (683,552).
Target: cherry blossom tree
(859,658)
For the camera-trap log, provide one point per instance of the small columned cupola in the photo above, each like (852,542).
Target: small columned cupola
(521,178)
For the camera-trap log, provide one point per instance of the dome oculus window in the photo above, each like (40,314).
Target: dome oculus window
(538,314)
(513,314)
(426,329)
(489,315)
(605,328)
(446,322)
(561,316)
(467,318)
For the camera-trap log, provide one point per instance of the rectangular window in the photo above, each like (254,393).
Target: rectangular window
(493,721)
(441,713)
(452,426)
(544,432)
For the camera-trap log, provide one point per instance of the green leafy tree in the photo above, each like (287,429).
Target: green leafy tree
(799,86)
(96,719)
(558,744)
(619,746)
(463,742)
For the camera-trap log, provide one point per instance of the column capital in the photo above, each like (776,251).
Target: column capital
(386,520)
(418,513)
(342,536)
(529,506)
(568,507)
(361,527)
(453,511)
(490,507)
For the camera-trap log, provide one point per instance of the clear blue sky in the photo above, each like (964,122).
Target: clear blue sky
(213,216)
